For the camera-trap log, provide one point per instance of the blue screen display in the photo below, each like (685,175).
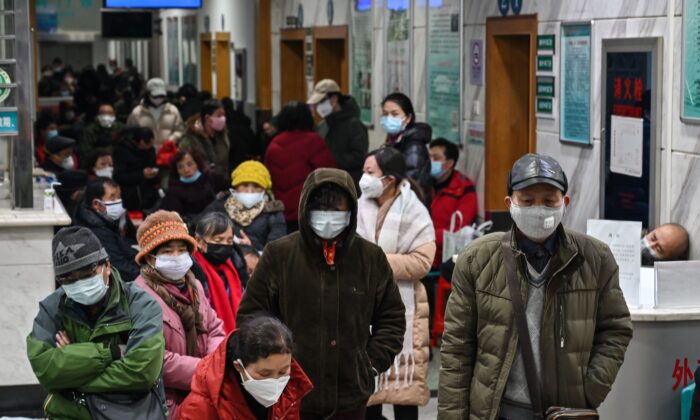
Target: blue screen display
(154,4)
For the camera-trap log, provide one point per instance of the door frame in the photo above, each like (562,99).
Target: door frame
(298,35)
(334,32)
(653,45)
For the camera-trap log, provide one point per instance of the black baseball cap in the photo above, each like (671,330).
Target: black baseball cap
(534,168)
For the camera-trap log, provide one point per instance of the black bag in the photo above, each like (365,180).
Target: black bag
(123,405)
(533,382)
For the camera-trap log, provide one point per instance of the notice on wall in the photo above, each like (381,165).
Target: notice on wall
(626,145)
(624,240)
(575,83)
(398,47)
(690,105)
(361,58)
(444,69)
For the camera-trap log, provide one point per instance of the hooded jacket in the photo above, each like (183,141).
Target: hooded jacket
(346,137)
(585,330)
(215,395)
(215,152)
(413,145)
(130,317)
(330,309)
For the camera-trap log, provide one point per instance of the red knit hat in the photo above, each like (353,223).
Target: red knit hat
(159,228)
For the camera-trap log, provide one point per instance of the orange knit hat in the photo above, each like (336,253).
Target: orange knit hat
(159,228)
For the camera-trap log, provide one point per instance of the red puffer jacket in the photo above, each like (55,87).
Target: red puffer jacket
(217,396)
(459,194)
(290,158)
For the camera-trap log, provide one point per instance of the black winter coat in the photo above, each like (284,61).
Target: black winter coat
(190,200)
(121,254)
(414,147)
(138,193)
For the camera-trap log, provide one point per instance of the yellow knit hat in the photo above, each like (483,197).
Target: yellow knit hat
(251,171)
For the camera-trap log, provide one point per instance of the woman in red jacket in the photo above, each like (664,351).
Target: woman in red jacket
(293,154)
(250,376)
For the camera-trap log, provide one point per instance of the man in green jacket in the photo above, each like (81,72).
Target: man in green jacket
(95,334)
(578,321)
(336,293)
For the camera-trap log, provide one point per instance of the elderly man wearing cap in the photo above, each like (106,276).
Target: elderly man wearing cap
(574,319)
(156,113)
(345,135)
(95,334)
(59,155)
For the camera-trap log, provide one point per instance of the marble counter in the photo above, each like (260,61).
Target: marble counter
(665,314)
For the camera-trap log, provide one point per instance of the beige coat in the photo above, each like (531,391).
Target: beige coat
(411,267)
(169,126)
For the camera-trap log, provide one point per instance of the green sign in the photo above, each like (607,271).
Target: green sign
(361,61)
(690,84)
(575,83)
(545,87)
(544,105)
(545,63)
(4,80)
(545,42)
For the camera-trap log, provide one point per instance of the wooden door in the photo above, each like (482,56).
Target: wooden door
(331,55)
(223,65)
(292,65)
(510,102)
(205,81)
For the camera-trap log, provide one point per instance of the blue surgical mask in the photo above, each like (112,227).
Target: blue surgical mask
(51,134)
(436,170)
(392,125)
(190,179)
(87,291)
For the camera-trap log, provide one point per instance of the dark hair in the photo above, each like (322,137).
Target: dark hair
(327,196)
(451,149)
(209,107)
(137,134)
(214,223)
(196,156)
(188,90)
(404,103)
(393,163)
(258,337)
(93,157)
(96,189)
(295,116)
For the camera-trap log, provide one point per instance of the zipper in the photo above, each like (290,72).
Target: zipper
(562,329)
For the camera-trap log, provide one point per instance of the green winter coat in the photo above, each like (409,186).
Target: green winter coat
(586,328)
(131,317)
(330,309)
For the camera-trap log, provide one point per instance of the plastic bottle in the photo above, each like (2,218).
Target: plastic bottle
(50,197)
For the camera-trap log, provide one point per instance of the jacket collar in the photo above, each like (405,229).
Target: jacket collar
(94,219)
(457,185)
(564,254)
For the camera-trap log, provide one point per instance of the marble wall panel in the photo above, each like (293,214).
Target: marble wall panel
(25,245)
(419,71)
(685,197)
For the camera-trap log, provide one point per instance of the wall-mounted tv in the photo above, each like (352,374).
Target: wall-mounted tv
(153,4)
(127,24)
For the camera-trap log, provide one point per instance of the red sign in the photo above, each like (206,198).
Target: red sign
(682,373)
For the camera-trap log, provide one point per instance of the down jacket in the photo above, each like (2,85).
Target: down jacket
(168,127)
(586,327)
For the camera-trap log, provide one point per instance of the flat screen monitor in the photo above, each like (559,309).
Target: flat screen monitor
(127,25)
(153,4)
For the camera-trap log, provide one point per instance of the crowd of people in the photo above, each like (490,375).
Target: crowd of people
(212,273)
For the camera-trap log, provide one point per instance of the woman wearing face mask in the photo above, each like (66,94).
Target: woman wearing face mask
(156,113)
(190,326)
(192,186)
(219,276)
(102,132)
(252,209)
(410,138)
(99,164)
(206,133)
(59,155)
(251,376)
(45,129)
(391,215)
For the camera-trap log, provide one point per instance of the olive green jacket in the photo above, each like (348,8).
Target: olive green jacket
(586,327)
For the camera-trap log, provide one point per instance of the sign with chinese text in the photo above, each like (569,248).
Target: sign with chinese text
(8,123)
(575,90)
(398,46)
(476,62)
(545,42)
(690,83)
(361,58)
(545,63)
(545,86)
(544,106)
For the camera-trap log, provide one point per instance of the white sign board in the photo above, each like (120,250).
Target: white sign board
(626,145)
(624,240)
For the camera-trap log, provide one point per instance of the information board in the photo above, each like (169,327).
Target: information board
(361,58)
(575,89)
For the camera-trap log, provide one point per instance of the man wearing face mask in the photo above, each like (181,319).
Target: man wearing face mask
(156,113)
(345,135)
(103,132)
(59,155)
(576,316)
(668,242)
(102,212)
(331,287)
(95,334)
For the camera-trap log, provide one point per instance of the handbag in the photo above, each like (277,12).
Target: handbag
(453,242)
(126,405)
(533,382)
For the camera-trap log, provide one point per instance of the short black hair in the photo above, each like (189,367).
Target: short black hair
(96,189)
(214,223)
(137,134)
(327,196)
(451,149)
(404,102)
(93,157)
(295,116)
(257,337)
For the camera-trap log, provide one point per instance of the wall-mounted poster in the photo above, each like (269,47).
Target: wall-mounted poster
(398,46)
(172,52)
(361,58)
(575,89)
(445,68)
(690,102)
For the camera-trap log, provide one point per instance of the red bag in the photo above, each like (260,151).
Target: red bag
(166,153)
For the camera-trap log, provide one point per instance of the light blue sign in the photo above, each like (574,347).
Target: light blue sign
(8,122)
(575,83)
(503,6)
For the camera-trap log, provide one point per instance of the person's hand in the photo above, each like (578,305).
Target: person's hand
(150,173)
(251,261)
(62,339)
(245,240)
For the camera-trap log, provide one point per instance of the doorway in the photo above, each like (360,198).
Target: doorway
(214,49)
(292,63)
(331,55)
(510,106)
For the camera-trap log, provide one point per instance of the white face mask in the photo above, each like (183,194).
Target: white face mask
(87,291)
(537,222)
(329,224)
(115,209)
(265,391)
(648,252)
(371,186)
(249,200)
(324,108)
(174,267)
(106,120)
(105,172)
(68,163)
